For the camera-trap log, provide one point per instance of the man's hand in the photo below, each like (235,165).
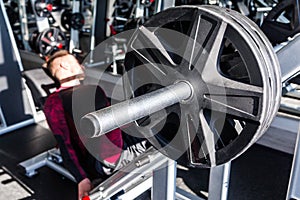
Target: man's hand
(84,187)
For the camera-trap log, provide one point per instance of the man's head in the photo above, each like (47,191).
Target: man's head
(62,65)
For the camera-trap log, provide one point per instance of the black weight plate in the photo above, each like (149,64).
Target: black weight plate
(279,30)
(42,8)
(77,21)
(65,19)
(51,40)
(207,47)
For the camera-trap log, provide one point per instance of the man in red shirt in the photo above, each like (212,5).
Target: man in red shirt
(85,158)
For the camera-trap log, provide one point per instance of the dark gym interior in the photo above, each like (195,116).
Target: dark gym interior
(220,75)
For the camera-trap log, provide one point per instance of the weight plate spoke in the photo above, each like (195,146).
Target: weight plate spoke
(212,45)
(154,43)
(157,69)
(46,41)
(232,107)
(195,138)
(150,50)
(235,98)
(210,139)
(193,46)
(218,84)
(48,49)
(55,34)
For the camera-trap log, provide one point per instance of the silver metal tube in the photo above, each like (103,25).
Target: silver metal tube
(58,168)
(102,121)
(294,182)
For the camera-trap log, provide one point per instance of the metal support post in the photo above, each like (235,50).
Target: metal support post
(294,183)
(164,181)
(219,182)
(74,40)
(161,5)
(2,119)
(24,23)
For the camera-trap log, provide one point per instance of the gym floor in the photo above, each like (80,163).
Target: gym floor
(260,173)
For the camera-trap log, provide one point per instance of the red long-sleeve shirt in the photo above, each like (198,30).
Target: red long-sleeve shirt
(63,110)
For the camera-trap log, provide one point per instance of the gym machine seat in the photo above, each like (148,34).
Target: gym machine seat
(40,86)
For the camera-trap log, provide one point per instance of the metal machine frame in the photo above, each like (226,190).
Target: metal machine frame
(5,127)
(152,170)
(294,183)
(290,69)
(50,158)
(149,171)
